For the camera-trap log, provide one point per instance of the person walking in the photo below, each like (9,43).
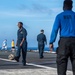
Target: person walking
(65,24)
(4,45)
(41,38)
(13,45)
(21,43)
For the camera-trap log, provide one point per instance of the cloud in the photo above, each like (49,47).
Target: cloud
(41,8)
(57,9)
(15,14)
(24,7)
(35,8)
(36,11)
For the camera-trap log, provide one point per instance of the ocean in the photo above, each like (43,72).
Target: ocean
(33,48)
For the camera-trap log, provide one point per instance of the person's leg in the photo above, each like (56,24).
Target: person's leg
(72,57)
(13,49)
(2,47)
(61,64)
(24,53)
(62,57)
(41,51)
(18,54)
(5,47)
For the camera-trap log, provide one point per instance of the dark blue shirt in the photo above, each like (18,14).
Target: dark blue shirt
(22,33)
(65,23)
(41,38)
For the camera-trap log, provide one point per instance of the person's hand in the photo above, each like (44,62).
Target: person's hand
(20,44)
(51,47)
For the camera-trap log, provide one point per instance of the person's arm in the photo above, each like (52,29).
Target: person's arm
(45,40)
(24,37)
(54,31)
(22,41)
(17,42)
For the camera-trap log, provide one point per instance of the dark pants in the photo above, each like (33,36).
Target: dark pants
(65,50)
(41,50)
(23,48)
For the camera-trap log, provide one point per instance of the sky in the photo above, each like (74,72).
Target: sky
(35,14)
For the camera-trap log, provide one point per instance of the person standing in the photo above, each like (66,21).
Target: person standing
(4,45)
(65,24)
(21,43)
(13,45)
(41,38)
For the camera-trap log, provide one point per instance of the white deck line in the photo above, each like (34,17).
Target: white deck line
(45,67)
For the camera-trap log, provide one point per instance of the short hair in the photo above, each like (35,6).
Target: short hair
(68,3)
(21,23)
(42,30)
